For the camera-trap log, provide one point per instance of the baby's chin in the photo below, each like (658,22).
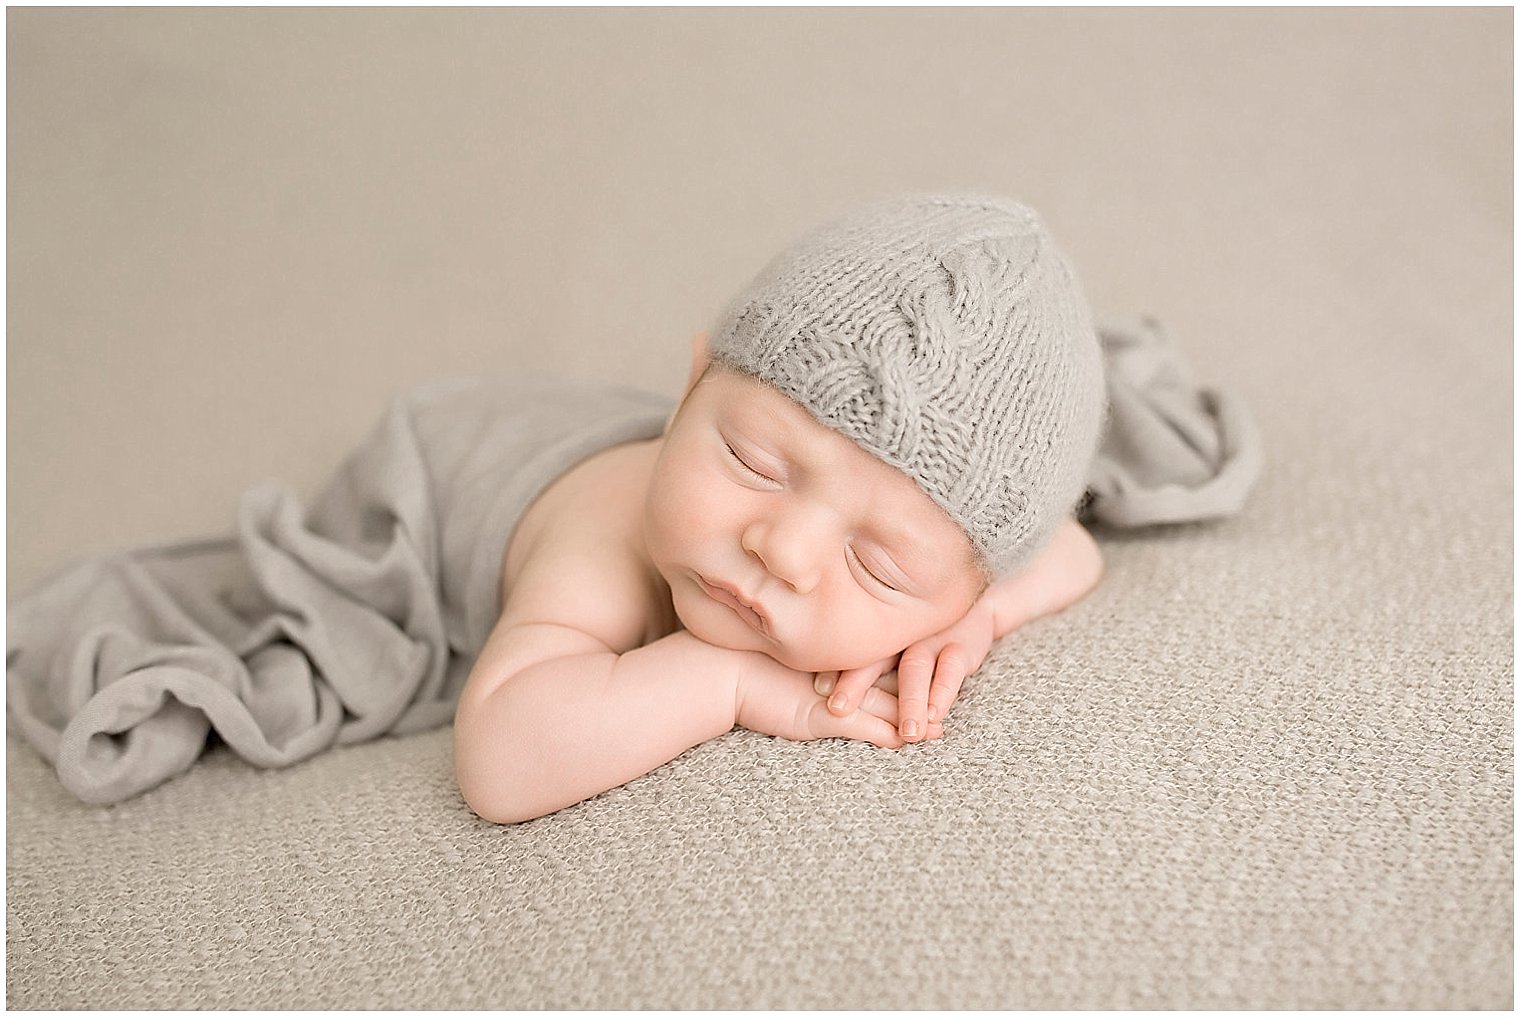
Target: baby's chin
(698,625)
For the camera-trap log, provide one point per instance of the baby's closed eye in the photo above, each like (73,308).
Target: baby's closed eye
(874,577)
(746,466)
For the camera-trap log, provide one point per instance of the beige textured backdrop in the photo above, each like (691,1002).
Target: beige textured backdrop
(1268,763)
(233,232)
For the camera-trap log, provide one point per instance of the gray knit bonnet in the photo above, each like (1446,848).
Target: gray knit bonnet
(947,336)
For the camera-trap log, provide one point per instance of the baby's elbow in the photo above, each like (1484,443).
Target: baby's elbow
(1094,558)
(493,812)
(492,802)
(485,782)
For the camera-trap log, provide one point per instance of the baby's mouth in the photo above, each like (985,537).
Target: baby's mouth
(722,596)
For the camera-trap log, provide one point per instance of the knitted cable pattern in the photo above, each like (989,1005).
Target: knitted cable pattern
(947,336)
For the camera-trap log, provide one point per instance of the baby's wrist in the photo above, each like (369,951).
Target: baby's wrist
(986,608)
(720,665)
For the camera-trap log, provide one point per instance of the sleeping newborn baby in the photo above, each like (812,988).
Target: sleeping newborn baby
(870,478)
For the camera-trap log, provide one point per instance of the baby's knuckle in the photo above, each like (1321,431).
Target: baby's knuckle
(916,664)
(854,685)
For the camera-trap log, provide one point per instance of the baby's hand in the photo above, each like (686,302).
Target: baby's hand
(929,675)
(776,700)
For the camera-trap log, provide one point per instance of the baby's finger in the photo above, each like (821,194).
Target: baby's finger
(949,675)
(874,730)
(850,688)
(914,677)
(864,724)
(824,681)
(880,703)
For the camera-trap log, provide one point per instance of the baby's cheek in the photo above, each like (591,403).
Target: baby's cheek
(689,504)
(676,516)
(831,643)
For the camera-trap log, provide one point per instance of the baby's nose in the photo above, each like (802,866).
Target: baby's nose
(789,550)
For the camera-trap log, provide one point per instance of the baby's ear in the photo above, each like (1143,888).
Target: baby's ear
(698,359)
(698,365)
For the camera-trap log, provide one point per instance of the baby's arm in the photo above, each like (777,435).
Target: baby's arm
(553,714)
(1062,574)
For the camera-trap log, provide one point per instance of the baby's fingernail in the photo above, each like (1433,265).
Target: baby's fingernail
(837,703)
(931,714)
(910,729)
(824,684)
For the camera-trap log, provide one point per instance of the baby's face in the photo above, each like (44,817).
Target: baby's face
(846,560)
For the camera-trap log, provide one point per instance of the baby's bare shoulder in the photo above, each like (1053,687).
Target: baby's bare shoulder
(576,560)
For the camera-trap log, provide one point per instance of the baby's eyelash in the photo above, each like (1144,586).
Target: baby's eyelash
(735,456)
(873,575)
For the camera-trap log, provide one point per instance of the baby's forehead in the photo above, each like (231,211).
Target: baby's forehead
(756,404)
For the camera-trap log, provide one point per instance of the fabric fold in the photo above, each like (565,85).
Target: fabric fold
(1172,451)
(357,618)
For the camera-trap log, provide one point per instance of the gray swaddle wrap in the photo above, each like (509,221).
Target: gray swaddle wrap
(360,619)
(1171,452)
(362,616)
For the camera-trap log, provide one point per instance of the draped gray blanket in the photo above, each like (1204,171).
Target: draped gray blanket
(1172,452)
(359,619)
(362,616)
